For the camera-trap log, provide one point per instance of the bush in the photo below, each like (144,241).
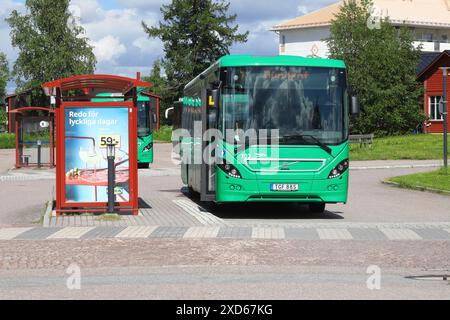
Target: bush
(7,141)
(164,134)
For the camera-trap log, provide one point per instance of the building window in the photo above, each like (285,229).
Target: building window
(428,37)
(434,108)
(424,36)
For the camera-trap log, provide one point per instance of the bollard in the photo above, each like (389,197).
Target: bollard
(39,149)
(111,150)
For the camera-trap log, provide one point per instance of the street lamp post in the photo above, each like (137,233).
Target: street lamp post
(39,151)
(111,156)
(444,114)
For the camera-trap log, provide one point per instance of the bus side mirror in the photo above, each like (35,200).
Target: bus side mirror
(355,108)
(168,112)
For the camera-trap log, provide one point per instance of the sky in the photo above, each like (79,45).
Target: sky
(123,48)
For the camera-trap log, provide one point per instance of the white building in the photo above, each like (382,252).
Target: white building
(429,19)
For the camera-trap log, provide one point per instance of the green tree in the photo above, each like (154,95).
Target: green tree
(156,79)
(4,77)
(50,45)
(160,88)
(381,61)
(195,33)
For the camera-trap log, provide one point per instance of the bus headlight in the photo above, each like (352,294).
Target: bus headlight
(339,169)
(230,169)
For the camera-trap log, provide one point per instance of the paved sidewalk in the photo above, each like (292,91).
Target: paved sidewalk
(348,231)
(7,159)
(395,164)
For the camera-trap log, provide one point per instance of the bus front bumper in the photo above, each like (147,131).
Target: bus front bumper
(326,190)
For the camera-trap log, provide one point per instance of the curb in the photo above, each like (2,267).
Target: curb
(391,232)
(416,188)
(406,166)
(48,214)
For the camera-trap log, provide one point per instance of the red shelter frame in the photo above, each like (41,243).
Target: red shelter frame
(88,84)
(21,111)
(9,101)
(158,107)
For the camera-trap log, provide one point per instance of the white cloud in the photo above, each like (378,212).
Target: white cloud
(146,45)
(108,49)
(122,47)
(301,9)
(88,10)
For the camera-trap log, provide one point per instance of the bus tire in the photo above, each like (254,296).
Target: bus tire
(142,165)
(190,192)
(317,207)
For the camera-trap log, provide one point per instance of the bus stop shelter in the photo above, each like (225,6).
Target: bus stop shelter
(34,129)
(88,134)
(155,109)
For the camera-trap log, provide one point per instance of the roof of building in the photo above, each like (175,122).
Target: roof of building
(427,62)
(424,13)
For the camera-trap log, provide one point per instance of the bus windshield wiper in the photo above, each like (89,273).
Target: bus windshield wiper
(317,142)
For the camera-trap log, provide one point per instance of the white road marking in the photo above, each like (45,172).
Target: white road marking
(136,232)
(334,234)
(71,233)
(11,233)
(203,216)
(401,234)
(201,232)
(268,233)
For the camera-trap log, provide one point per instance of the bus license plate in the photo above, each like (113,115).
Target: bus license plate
(284,187)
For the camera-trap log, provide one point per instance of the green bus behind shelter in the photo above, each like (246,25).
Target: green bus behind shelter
(147,123)
(302,102)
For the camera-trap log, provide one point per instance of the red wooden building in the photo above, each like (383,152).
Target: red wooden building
(431,75)
(10,106)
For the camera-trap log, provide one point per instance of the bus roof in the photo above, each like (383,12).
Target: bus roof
(140,97)
(254,61)
(249,60)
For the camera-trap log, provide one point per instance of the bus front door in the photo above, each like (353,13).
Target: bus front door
(210,110)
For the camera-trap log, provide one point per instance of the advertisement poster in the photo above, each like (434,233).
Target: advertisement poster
(87,133)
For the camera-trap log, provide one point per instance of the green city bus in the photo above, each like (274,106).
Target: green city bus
(147,123)
(306,102)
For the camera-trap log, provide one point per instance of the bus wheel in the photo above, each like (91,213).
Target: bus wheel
(317,207)
(190,192)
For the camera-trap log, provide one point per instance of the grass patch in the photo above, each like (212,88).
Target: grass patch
(163,135)
(109,217)
(434,181)
(7,141)
(409,147)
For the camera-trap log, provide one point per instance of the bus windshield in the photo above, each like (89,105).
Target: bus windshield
(144,119)
(298,101)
